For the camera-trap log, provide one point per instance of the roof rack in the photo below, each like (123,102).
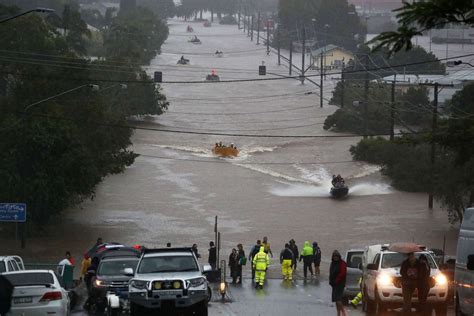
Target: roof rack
(121,252)
(161,250)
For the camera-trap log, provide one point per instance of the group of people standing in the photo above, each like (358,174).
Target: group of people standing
(259,257)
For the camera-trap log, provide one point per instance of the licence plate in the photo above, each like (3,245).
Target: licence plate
(23,300)
(170,292)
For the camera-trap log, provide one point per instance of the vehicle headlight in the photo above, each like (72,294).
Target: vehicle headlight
(138,284)
(157,285)
(100,283)
(196,282)
(441,279)
(176,285)
(384,279)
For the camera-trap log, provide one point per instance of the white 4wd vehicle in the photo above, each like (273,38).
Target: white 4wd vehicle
(382,283)
(11,263)
(168,279)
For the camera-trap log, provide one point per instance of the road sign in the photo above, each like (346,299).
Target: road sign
(12,212)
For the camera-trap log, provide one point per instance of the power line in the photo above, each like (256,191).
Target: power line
(243,113)
(246,163)
(246,130)
(95,123)
(269,79)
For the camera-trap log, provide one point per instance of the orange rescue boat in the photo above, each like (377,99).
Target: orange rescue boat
(225,151)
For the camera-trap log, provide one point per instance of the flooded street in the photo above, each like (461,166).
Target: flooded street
(277,187)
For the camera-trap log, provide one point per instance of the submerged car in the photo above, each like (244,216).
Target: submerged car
(37,292)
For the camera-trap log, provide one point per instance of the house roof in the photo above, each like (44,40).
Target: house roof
(329,48)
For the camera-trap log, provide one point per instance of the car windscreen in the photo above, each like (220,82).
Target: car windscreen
(168,264)
(31,278)
(354,259)
(394,260)
(116,267)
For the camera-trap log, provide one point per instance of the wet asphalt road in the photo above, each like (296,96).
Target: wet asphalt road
(279,298)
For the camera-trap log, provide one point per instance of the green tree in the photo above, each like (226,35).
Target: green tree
(329,22)
(418,17)
(135,36)
(455,191)
(351,118)
(53,156)
(413,107)
(75,29)
(163,9)
(93,17)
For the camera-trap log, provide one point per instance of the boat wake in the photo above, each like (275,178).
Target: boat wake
(272,173)
(368,188)
(311,190)
(245,152)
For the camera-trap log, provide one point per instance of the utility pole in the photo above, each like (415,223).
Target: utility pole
(321,79)
(279,48)
(434,129)
(343,85)
(251,30)
(268,38)
(392,110)
(248,25)
(238,16)
(366,98)
(258,28)
(303,55)
(291,57)
(243,22)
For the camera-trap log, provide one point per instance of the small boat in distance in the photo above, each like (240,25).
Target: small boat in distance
(339,191)
(339,188)
(225,151)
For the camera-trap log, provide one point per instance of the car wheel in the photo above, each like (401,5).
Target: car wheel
(113,311)
(201,309)
(368,305)
(136,310)
(458,308)
(209,294)
(381,307)
(441,310)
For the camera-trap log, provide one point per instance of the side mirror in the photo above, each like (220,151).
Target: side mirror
(372,266)
(206,268)
(128,272)
(470,262)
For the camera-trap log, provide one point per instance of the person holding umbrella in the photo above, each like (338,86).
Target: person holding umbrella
(411,271)
(411,274)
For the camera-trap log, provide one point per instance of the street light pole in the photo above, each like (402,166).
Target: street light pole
(39,10)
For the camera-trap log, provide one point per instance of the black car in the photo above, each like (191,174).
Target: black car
(110,278)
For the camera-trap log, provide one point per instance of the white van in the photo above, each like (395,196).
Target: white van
(464,274)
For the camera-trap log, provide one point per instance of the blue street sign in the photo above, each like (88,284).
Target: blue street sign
(12,212)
